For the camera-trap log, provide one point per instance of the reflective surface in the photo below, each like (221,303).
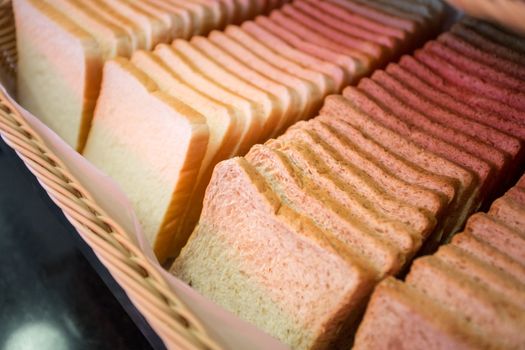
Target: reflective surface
(50,295)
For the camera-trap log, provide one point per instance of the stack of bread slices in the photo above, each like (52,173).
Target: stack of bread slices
(468,295)
(294,236)
(63,44)
(166,117)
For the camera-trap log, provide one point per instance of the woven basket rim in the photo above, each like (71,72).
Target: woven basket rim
(168,316)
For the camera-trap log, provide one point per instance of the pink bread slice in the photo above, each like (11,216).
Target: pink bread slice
(285,180)
(484,160)
(414,98)
(510,212)
(314,10)
(288,97)
(498,234)
(354,68)
(399,316)
(471,98)
(356,20)
(282,48)
(308,92)
(486,44)
(321,81)
(480,271)
(484,309)
(475,68)
(458,107)
(369,47)
(307,34)
(490,255)
(281,263)
(379,15)
(460,45)
(456,76)
(350,147)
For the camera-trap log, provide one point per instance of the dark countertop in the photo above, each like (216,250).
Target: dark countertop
(54,294)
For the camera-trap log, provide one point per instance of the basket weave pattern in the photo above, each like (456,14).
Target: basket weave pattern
(147,289)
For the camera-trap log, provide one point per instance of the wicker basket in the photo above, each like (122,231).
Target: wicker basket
(144,285)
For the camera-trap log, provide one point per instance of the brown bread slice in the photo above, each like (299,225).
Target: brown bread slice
(428,190)
(491,255)
(495,232)
(456,76)
(517,194)
(467,199)
(510,212)
(297,192)
(399,316)
(458,107)
(480,271)
(399,234)
(352,179)
(479,306)
(278,248)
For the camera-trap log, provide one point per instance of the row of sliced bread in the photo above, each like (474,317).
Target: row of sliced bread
(389,168)
(470,294)
(62,45)
(246,84)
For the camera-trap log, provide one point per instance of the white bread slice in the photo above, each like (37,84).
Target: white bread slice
(201,15)
(281,263)
(272,110)
(249,110)
(289,98)
(113,40)
(225,128)
(58,86)
(151,144)
(182,24)
(138,35)
(156,30)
